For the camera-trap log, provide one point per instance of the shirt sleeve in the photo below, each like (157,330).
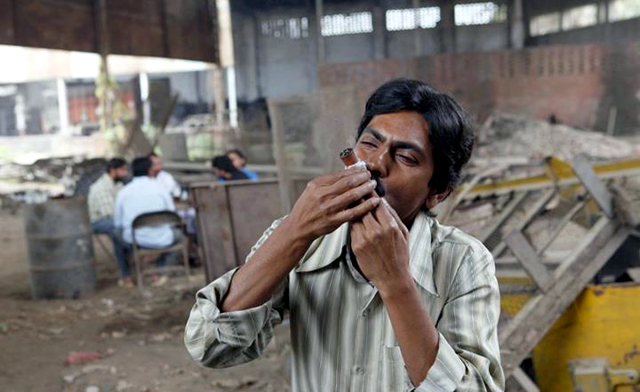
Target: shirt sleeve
(468,357)
(216,339)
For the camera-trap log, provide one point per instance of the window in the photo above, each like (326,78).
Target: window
(479,13)
(292,28)
(412,18)
(583,16)
(340,24)
(624,9)
(545,24)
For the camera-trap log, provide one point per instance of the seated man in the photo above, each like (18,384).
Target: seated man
(225,170)
(163,177)
(380,295)
(240,162)
(143,195)
(101,200)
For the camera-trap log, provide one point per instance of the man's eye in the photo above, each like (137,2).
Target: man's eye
(407,159)
(368,144)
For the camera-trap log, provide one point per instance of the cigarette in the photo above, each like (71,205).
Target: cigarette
(348,157)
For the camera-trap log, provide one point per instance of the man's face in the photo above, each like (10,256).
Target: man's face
(237,161)
(396,148)
(121,173)
(156,166)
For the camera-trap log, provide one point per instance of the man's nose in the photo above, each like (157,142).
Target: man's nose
(378,162)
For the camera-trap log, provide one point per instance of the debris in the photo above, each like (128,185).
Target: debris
(56,331)
(92,388)
(226,383)
(108,302)
(70,378)
(118,334)
(234,384)
(512,135)
(76,358)
(122,385)
(160,337)
(94,368)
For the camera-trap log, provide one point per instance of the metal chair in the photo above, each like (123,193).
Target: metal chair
(157,219)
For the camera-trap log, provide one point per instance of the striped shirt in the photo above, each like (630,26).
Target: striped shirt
(102,197)
(341,333)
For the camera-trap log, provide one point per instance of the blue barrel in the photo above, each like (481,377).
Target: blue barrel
(60,248)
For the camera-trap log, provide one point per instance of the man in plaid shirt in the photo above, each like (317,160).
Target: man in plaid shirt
(101,199)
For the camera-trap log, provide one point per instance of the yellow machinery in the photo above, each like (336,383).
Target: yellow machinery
(595,345)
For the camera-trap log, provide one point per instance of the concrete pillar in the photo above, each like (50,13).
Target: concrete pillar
(516,24)
(417,39)
(319,38)
(447,27)
(225,33)
(144,98)
(20,110)
(63,106)
(379,32)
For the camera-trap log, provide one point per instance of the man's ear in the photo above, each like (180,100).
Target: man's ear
(435,198)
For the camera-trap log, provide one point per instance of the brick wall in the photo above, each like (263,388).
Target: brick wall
(576,83)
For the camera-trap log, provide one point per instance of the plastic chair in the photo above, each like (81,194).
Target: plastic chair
(157,219)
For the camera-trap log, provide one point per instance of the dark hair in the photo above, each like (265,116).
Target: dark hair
(115,163)
(141,166)
(223,162)
(450,130)
(237,152)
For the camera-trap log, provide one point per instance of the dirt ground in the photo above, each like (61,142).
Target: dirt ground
(140,340)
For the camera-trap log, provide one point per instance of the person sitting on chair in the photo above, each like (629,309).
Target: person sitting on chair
(101,200)
(163,177)
(225,170)
(240,162)
(144,195)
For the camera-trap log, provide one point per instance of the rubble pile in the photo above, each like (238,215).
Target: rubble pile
(511,135)
(47,178)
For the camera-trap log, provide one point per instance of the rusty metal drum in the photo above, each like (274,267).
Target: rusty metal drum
(60,248)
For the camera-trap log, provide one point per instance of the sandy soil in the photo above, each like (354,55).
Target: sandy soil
(139,339)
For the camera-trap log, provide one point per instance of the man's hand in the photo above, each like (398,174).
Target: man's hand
(380,243)
(331,200)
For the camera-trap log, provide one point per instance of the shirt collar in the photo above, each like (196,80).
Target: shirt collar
(327,249)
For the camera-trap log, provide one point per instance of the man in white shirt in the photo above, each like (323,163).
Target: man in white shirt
(143,195)
(164,177)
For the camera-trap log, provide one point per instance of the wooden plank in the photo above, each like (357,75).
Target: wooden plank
(524,381)
(231,217)
(528,257)
(594,185)
(527,328)
(64,25)
(214,231)
(194,20)
(530,214)
(488,236)
(7,32)
(605,171)
(136,27)
(253,207)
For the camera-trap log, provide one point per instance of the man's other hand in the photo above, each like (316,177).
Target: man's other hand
(380,243)
(333,199)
